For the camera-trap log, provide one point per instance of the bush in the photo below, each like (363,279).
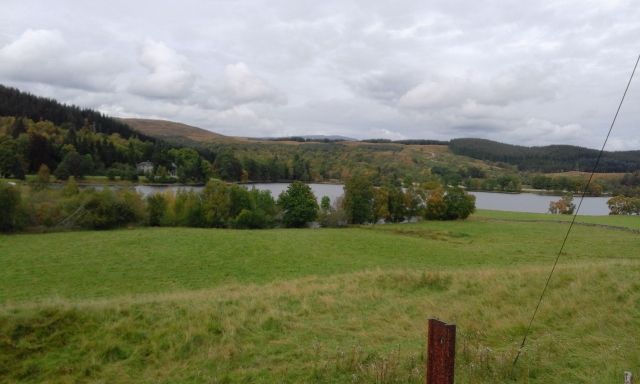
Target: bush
(70,187)
(622,205)
(459,204)
(256,219)
(452,204)
(189,210)
(563,206)
(106,209)
(43,177)
(156,209)
(10,202)
(216,201)
(44,207)
(112,173)
(333,217)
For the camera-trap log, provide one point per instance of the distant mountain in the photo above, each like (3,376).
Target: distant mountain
(551,158)
(406,141)
(329,137)
(306,138)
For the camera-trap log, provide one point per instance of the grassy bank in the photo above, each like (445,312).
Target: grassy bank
(214,306)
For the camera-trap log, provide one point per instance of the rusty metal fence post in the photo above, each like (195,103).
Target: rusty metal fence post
(441,352)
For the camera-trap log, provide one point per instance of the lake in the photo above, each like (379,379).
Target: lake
(517,202)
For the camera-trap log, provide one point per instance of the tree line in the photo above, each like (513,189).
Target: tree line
(552,158)
(14,102)
(222,205)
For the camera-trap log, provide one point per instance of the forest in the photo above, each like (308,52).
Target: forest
(552,158)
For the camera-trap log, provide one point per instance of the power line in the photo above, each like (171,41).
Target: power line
(584,192)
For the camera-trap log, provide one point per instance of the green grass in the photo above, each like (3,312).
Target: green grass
(632,222)
(347,305)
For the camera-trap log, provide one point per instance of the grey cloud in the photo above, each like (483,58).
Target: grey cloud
(243,86)
(523,72)
(45,56)
(383,86)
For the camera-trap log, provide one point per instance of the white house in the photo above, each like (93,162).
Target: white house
(144,167)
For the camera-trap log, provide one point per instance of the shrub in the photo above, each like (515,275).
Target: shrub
(10,201)
(106,209)
(112,173)
(255,219)
(43,177)
(216,203)
(189,210)
(459,204)
(156,209)
(452,204)
(622,205)
(335,216)
(70,187)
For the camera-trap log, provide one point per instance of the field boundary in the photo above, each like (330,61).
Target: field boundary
(604,226)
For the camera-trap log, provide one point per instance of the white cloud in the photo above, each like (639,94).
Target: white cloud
(243,86)
(167,74)
(44,56)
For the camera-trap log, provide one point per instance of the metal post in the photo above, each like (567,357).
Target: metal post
(441,352)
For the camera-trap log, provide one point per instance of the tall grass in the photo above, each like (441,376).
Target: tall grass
(362,327)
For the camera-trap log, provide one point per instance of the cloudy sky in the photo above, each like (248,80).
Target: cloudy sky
(525,72)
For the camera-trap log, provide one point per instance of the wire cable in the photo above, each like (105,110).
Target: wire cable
(573,220)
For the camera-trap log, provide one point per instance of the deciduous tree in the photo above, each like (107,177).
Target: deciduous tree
(299,205)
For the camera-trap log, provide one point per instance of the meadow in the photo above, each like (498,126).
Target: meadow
(321,305)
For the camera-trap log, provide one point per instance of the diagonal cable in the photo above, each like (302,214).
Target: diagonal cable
(573,220)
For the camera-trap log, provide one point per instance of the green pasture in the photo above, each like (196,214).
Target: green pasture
(183,305)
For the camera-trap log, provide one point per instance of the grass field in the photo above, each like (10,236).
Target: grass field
(328,305)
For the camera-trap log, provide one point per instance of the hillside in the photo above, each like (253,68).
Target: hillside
(548,159)
(14,102)
(551,158)
(320,159)
(174,132)
(70,141)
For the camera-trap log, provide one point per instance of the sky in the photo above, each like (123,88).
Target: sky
(522,72)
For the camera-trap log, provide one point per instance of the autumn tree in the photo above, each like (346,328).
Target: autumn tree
(563,206)
(436,208)
(380,204)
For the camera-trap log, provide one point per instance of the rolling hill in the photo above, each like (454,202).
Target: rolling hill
(176,132)
(550,158)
